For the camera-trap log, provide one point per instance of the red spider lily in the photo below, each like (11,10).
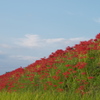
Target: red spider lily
(56,77)
(91,57)
(49,83)
(66,73)
(81,88)
(45,75)
(58,71)
(45,88)
(66,76)
(67,65)
(80,65)
(98,36)
(82,81)
(70,69)
(83,73)
(55,85)
(60,90)
(82,57)
(86,82)
(74,71)
(60,82)
(78,80)
(82,93)
(90,77)
(69,48)
(54,67)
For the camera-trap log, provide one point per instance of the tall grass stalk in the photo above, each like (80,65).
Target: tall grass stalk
(47,96)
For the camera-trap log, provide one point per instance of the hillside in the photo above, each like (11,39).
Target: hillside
(76,69)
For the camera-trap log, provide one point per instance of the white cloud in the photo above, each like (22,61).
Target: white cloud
(35,41)
(21,57)
(29,41)
(76,39)
(54,40)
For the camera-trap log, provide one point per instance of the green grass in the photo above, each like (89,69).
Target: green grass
(48,96)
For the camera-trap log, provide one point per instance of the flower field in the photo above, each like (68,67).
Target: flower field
(73,73)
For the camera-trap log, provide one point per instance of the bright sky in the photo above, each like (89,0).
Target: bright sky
(33,29)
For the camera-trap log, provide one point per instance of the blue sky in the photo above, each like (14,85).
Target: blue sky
(33,29)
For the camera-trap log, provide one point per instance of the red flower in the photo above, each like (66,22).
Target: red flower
(60,90)
(58,72)
(98,36)
(81,88)
(56,77)
(83,73)
(66,73)
(74,71)
(70,69)
(60,82)
(91,57)
(49,83)
(81,65)
(66,76)
(67,65)
(55,85)
(90,77)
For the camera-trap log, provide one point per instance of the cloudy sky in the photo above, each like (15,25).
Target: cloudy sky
(33,29)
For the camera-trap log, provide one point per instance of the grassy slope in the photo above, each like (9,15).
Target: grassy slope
(74,70)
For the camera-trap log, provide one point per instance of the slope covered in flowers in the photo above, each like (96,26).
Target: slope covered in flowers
(76,69)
